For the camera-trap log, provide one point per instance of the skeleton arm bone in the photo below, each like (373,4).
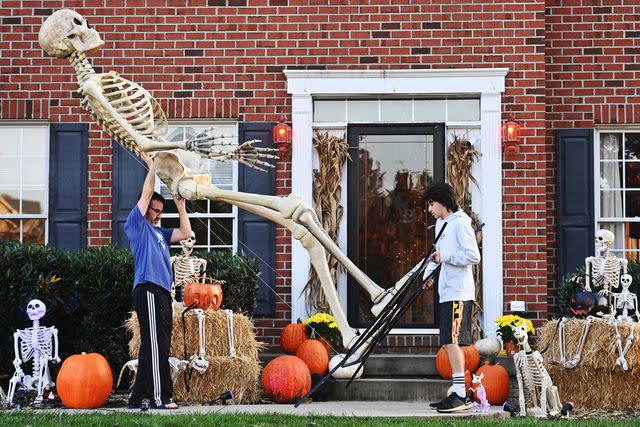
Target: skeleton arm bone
(17,361)
(56,357)
(587,277)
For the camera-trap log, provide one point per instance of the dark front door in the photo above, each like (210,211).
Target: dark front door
(391,167)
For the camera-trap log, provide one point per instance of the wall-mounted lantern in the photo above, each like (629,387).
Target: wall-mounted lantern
(510,136)
(282,136)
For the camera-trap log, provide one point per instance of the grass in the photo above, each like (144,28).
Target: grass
(38,418)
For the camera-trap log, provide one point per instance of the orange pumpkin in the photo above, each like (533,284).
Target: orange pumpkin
(84,381)
(471,361)
(205,294)
(495,382)
(286,379)
(314,354)
(292,336)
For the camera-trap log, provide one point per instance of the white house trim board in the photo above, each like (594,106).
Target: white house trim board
(488,83)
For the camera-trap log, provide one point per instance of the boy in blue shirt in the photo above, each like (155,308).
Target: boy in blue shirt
(152,290)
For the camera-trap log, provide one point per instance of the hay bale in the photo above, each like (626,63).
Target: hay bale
(597,382)
(224,373)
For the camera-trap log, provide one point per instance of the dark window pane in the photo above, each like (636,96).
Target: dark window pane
(632,174)
(221,231)
(633,203)
(632,146)
(611,146)
(33,231)
(10,229)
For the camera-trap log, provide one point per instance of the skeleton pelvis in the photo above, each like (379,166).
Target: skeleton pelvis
(180,172)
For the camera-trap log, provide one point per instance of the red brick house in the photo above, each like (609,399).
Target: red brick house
(398,80)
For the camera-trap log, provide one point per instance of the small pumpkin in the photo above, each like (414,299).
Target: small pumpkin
(286,379)
(315,355)
(205,294)
(292,336)
(495,382)
(84,381)
(471,361)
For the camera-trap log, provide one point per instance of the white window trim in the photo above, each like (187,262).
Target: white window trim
(196,215)
(488,83)
(47,155)
(596,184)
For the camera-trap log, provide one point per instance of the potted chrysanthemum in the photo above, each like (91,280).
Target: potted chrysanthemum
(323,326)
(505,332)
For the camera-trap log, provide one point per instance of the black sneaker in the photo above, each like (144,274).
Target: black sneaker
(454,403)
(438,403)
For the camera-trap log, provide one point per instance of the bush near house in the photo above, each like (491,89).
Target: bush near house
(88,295)
(568,286)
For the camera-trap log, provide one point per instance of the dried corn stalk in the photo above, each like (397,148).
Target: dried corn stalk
(460,157)
(332,153)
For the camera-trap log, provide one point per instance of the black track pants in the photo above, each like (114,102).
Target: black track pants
(153,381)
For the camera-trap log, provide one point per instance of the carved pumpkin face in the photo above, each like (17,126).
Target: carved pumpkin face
(203,295)
(582,303)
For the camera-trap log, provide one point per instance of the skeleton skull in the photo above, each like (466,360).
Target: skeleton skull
(65,32)
(626,280)
(188,244)
(36,309)
(604,240)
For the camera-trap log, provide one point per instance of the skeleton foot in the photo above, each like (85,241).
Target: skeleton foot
(200,364)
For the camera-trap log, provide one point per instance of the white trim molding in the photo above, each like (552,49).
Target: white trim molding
(487,83)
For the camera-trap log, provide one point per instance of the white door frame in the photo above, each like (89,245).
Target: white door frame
(488,83)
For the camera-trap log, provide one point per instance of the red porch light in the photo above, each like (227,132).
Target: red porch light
(282,136)
(510,136)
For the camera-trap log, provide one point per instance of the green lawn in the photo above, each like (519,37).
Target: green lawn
(36,418)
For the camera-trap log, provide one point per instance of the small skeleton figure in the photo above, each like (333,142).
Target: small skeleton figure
(624,301)
(198,362)
(185,267)
(484,405)
(604,270)
(530,370)
(569,364)
(37,343)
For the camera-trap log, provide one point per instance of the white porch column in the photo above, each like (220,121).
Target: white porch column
(301,183)
(491,200)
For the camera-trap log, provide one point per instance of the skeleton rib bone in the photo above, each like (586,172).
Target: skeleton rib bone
(135,120)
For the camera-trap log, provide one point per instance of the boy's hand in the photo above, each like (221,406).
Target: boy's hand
(428,284)
(435,256)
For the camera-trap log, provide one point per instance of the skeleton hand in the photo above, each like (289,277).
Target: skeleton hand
(202,142)
(251,156)
(603,293)
(55,359)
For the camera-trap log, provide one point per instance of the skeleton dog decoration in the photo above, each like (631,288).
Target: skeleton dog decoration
(134,119)
(530,372)
(39,344)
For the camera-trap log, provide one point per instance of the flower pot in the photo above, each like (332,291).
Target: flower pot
(511,348)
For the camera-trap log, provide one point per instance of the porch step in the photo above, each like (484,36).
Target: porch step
(395,377)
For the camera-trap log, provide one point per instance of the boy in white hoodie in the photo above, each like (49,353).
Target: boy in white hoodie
(456,251)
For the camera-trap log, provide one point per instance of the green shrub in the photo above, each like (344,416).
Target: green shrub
(569,285)
(88,295)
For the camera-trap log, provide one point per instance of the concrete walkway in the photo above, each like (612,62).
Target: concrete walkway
(351,409)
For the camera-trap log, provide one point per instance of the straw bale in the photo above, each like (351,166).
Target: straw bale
(240,374)
(597,382)
(224,373)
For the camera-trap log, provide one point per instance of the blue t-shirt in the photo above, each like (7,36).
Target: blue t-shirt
(150,248)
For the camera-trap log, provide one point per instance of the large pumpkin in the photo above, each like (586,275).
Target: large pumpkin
(205,294)
(471,361)
(495,382)
(292,336)
(315,355)
(286,379)
(84,381)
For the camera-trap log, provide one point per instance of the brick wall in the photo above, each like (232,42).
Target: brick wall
(224,59)
(592,78)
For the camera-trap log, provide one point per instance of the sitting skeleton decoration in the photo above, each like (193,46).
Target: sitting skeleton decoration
(37,343)
(625,301)
(134,119)
(603,272)
(186,267)
(175,366)
(530,370)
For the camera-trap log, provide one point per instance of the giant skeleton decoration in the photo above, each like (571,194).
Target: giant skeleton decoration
(37,343)
(531,373)
(134,119)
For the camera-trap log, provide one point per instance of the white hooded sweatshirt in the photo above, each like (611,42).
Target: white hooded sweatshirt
(458,252)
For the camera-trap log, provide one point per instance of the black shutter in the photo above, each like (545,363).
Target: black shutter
(68,146)
(128,176)
(256,235)
(574,198)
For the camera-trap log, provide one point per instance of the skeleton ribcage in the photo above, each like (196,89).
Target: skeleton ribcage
(133,103)
(606,272)
(44,340)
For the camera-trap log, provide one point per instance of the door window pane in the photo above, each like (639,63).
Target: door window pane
(463,110)
(363,110)
(396,111)
(328,111)
(430,111)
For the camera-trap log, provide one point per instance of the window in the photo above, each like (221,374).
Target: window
(214,223)
(24,183)
(618,198)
